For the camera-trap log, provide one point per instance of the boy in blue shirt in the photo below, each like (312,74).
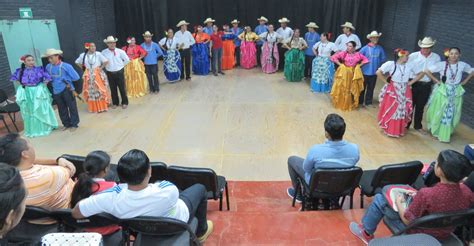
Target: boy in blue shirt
(376,55)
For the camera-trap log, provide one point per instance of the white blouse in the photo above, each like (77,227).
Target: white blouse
(296,43)
(403,73)
(92,60)
(270,37)
(453,71)
(325,49)
(170,44)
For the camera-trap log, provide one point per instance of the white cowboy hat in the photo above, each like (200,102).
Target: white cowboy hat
(110,39)
(235,21)
(147,34)
(52,52)
(312,25)
(262,18)
(349,25)
(284,20)
(183,22)
(209,20)
(374,34)
(427,42)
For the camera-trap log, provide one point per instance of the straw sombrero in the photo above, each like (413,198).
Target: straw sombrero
(147,34)
(284,20)
(183,22)
(427,42)
(312,25)
(209,20)
(235,21)
(52,52)
(374,34)
(349,25)
(262,18)
(110,39)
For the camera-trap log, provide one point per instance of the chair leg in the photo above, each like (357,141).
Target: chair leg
(361,200)
(13,121)
(351,201)
(342,202)
(227,196)
(220,202)
(6,125)
(296,193)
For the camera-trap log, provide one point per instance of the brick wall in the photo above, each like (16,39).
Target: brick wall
(449,22)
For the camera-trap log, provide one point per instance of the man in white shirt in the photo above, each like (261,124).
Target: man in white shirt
(346,36)
(136,197)
(185,41)
(285,33)
(421,90)
(114,69)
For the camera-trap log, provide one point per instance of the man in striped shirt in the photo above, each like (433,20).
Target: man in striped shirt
(48,182)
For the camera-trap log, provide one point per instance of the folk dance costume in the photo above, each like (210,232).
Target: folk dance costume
(228,51)
(376,56)
(248,50)
(294,59)
(95,82)
(395,99)
(200,53)
(63,75)
(348,80)
(261,28)
(270,57)
(236,31)
(311,38)
(285,33)
(344,38)
(34,100)
(172,59)
(322,72)
(185,40)
(117,59)
(153,52)
(445,106)
(136,82)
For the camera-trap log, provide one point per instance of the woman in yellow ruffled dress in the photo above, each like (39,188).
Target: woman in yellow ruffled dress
(136,82)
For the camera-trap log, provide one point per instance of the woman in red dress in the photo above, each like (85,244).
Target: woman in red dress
(136,82)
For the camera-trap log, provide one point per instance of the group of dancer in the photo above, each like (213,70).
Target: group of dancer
(344,69)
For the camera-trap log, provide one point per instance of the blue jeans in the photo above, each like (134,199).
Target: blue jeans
(375,213)
(469,152)
(216,60)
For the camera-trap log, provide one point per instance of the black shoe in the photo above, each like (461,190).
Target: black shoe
(188,78)
(222,73)
(215,74)
(291,193)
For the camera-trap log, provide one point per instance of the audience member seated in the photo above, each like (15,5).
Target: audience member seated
(333,153)
(12,199)
(91,181)
(48,182)
(136,197)
(469,152)
(447,195)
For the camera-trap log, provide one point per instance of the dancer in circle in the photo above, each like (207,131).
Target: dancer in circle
(136,82)
(228,48)
(261,28)
(294,58)
(200,52)
(153,52)
(323,68)
(311,38)
(172,59)
(270,57)
(236,30)
(248,50)
(376,56)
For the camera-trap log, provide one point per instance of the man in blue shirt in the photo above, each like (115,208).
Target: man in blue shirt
(153,52)
(311,38)
(333,153)
(208,28)
(236,30)
(261,28)
(376,56)
(64,93)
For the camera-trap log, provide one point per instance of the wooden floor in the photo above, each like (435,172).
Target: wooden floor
(244,125)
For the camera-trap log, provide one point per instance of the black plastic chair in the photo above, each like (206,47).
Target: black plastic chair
(158,171)
(373,181)
(4,122)
(8,107)
(418,239)
(26,233)
(328,184)
(435,221)
(184,177)
(160,231)
(68,222)
(77,161)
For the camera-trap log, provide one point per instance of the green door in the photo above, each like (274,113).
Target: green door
(28,37)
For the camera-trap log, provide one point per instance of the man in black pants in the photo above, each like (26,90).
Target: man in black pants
(137,197)
(421,90)
(261,28)
(286,33)
(117,60)
(236,30)
(153,52)
(185,40)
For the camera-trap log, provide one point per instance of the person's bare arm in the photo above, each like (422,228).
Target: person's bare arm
(469,77)
(418,77)
(380,76)
(76,212)
(46,161)
(401,209)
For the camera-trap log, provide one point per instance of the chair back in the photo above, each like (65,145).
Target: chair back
(184,177)
(3,96)
(403,173)
(77,161)
(98,220)
(158,171)
(442,220)
(156,226)
(35,213)
(334,182)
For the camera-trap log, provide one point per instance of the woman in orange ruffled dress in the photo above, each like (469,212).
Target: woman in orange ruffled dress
(95,88)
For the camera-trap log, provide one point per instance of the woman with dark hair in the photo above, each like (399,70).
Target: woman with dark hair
(294,58)
(396,103)
(34,98)
(200,52)
(12,198)
(348,79)
(95,88)
(323,69)
(172,58)
(228,48)
(92,181)
(270,57)
(136,82)
(444,108)
(248,50)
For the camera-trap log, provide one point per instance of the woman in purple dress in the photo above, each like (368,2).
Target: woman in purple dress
(34,98)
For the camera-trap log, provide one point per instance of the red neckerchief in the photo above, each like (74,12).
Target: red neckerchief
(371,45)
(113,50)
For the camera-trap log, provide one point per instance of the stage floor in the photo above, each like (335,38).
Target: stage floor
(244,125)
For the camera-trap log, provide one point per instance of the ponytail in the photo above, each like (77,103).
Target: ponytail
(22,69)
(84,59)
(95,163)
